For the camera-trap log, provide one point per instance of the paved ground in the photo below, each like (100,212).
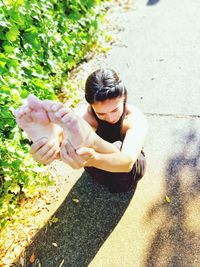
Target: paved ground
(158,58)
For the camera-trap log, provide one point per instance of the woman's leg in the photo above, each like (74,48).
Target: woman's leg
(140,166)
(122,181)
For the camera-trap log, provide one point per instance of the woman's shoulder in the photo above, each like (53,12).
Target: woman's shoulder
(133,116)
(132,110)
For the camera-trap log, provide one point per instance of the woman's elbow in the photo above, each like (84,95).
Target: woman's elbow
(130,164)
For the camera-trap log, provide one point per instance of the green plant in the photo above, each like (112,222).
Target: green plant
(40,42)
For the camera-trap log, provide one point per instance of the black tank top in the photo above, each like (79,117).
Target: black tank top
(108,131)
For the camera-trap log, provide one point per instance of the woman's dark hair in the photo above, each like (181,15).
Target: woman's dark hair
(104,84)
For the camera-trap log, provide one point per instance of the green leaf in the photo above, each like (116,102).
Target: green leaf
(8,49)
(32,39)
(12,34)
(15,188)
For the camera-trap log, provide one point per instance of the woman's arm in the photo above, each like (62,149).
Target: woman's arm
(120,161)
(99,144)
(113,162)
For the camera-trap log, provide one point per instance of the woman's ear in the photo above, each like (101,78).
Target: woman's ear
(124,98)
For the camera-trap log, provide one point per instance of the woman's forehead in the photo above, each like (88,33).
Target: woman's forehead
(107,105)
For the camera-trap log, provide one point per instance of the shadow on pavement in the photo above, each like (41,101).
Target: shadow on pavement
(152,2)
(82,227)
(177,241)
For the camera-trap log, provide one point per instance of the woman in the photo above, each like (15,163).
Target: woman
(113,156)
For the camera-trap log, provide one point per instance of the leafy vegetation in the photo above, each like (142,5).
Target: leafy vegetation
(40,42)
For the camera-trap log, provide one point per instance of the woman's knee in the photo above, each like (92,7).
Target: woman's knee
(140,166)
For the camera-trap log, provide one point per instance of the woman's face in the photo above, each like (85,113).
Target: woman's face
(109,110)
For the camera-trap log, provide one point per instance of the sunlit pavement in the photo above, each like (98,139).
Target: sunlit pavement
(159,62)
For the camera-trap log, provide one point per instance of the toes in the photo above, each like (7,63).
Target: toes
(66,118)
(47,104)
(23,116)
(22,111)
(63,112)
(34,102)
(50,105)
(27,109)
(71,122)
(27,118)
(70,118)
(40,116)
(56,106)
(18,112)
(52,117)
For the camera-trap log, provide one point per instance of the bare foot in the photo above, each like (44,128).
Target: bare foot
(34,120)
(76,130)
(51,107)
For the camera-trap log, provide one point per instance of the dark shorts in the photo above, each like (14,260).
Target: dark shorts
(120,181)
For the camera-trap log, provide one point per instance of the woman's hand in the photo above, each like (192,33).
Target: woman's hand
(45,151)
(82,157)
(88,154)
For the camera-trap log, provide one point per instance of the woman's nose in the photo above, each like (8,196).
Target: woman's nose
(109,117)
